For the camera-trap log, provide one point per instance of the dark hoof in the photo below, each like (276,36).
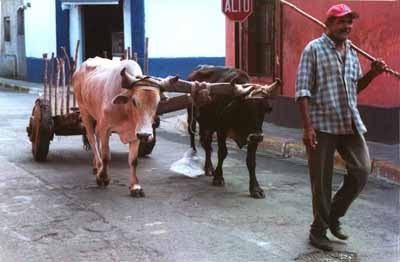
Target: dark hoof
(137,193)
(218,181)
(257,193)
(99,181)
(106,181)
(102,181)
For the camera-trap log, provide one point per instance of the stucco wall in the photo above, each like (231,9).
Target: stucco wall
(40,29)
(376,31)
(184,34)
(9,8)
(12,58)
(179,28)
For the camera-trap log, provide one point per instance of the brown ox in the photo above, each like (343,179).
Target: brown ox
(105,107)
(238,117)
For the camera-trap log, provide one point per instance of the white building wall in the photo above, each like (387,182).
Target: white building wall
(10,8)
(190,28)
(127,25)
(1,31)
(40,28)
(75,31)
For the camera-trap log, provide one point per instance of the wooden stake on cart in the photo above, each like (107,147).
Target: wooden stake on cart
(126,55)
(62,85)
(358,49)
(129,53)
(146,57)
(57,85)
(73,70)
(66,57)
(51,81)
(135,57)
(45,76)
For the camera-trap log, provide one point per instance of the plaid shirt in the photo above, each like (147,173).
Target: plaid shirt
(331,86)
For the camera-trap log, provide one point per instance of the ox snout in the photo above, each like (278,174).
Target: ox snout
(145,137)
(255,137)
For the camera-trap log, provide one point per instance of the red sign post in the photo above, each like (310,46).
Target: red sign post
(237,10)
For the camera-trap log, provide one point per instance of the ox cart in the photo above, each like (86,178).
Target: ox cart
(45,123)
(56,111)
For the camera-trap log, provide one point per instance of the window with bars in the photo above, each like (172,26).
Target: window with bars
(7,33)
(257,40)
(20,22)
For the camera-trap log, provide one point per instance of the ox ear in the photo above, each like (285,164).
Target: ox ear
(122,98)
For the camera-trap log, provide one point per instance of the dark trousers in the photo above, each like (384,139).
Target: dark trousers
(354,151)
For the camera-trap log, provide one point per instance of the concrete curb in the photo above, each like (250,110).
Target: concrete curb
(15,87)
(290,148)
(380,169)
(386,171)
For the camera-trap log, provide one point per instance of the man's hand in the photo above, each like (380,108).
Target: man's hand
(378,66)
(310,138)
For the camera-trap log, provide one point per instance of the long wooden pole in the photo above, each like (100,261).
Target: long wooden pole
(73,70)
(45,77)
(62,85)
(146,57)
(358,49)
(66,57)
(57,85)
(51,81)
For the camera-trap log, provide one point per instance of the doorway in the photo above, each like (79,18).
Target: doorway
(258,40)
(103,29)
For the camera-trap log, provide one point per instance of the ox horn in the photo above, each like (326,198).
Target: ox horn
(242,89)
(127,79)
(271,87)
(265,91)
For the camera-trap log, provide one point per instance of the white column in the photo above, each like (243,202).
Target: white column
(127,25)
(75,32)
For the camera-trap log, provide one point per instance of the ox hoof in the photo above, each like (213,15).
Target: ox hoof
(257,193)
(102,181)
(106,181)
(136,191)
(218,181)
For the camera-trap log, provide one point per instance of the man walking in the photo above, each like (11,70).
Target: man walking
(328,80)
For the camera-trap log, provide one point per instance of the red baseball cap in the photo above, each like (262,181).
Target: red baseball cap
(340,10)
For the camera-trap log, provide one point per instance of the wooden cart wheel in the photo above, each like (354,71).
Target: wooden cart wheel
(146,148)
(40,130)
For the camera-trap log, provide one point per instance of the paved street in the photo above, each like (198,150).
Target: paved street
(54,211)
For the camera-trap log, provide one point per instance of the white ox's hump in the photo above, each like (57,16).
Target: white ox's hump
(98,63)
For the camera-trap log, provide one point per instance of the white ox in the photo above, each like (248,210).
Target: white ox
(105,107)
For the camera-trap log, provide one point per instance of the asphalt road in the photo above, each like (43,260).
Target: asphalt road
(54,211)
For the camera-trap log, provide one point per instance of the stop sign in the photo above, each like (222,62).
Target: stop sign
(237,10)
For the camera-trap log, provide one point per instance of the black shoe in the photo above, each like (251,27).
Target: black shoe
(320,242)
(337,231)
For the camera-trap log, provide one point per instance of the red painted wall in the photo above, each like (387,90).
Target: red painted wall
(377,31)
(230,43)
